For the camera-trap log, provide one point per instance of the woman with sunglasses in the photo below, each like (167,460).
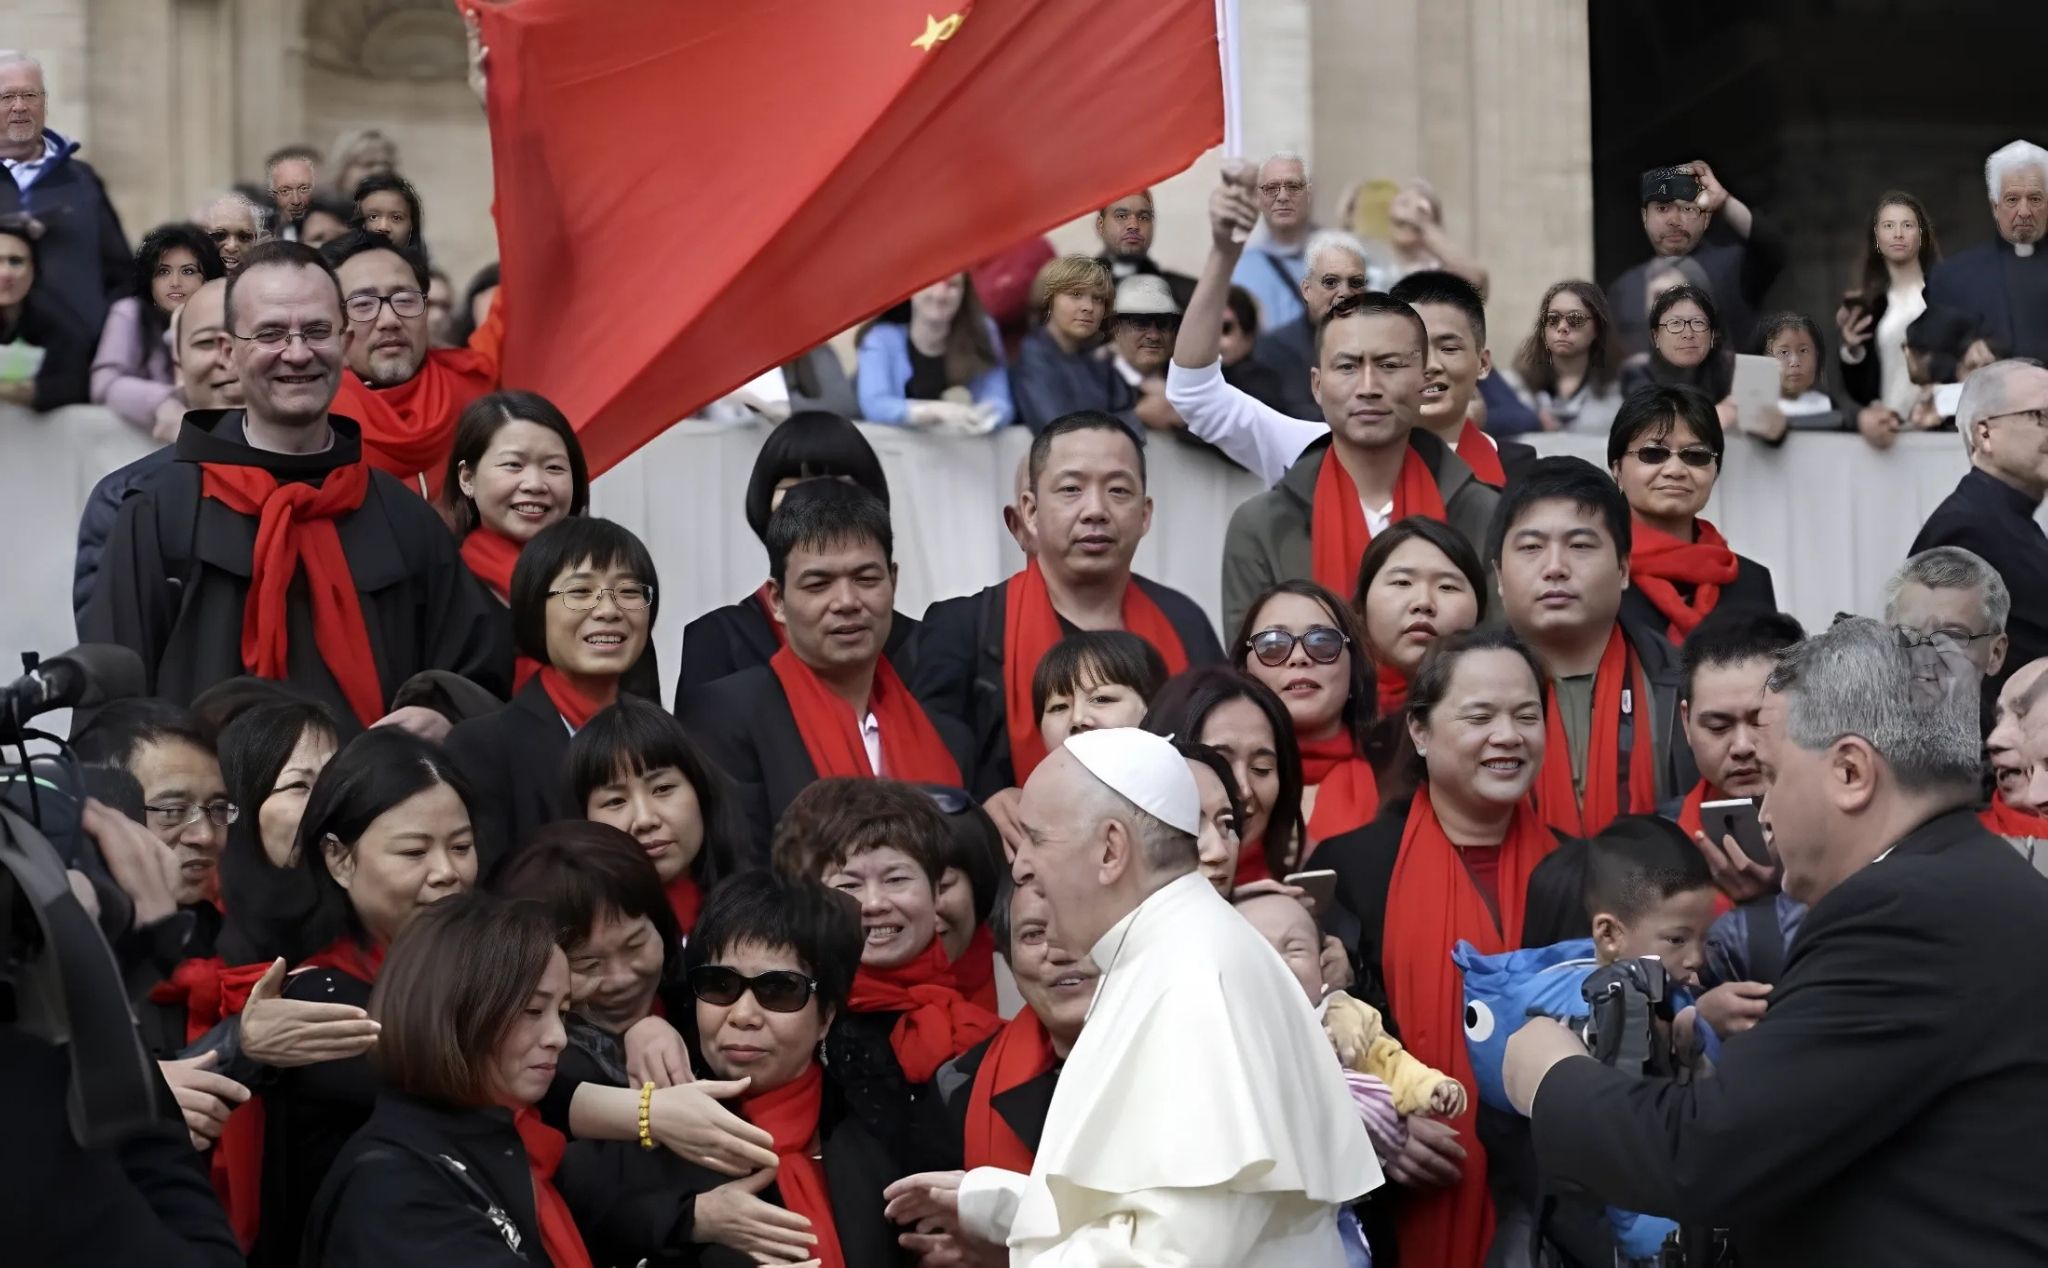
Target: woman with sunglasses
(1302,641)
(1688,348)
(1570,364)
(457,1162)
(583,605)
(1419,581)
(1665,451)
(1241,718)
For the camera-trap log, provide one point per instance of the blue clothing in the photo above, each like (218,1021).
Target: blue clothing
(1506,413)
(1049,383)
(1273,275)
(83,262)
(884,373)
(102,510)
(1731,946)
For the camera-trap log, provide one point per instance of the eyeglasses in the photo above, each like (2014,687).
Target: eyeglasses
(1679,325)
(282,190)
(403,303)
(630,598)
(778,990)
(1658,455)
(20,98)
(1273,647)
(314,335)
(1273,189)
(1571,321)
(1149,321)
(178,814)
(2036,417)
(1949,638)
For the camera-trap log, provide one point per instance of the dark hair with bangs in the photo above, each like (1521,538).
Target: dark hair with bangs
(578,540)
(120,729)
(772,910)
(1182,708)
(834,820)
(972,844)
(813,444)
(1098,657)
(579,871)
(254,749)
(1650,413)
(822,513)
(634,737)
(392,182)
(156,244)
(480,424)
(1561,479)
(363,241)
(1361,699)
(455,981)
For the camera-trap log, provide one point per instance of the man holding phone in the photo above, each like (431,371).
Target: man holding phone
(1688,212)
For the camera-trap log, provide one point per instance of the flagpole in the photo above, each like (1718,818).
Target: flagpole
(1233,88)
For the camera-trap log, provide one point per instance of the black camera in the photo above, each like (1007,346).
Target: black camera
(1625,1001)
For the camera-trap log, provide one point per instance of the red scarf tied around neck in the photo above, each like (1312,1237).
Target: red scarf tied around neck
(789,1114)
(975,971)
(1431,905)
(295,531)
(1659,563)
(409,429)
(911,748)
(938,1022)
(1347,795)
(1031,626)
(1393,690)
(1338,533)
(2006,821)
(544,1149)
(685,900)
(1617,682)
(1020,1052)
(1482,455)
(576,706)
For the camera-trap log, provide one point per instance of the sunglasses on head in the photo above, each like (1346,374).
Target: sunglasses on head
(1658,455)
(1323,645)
(778,990)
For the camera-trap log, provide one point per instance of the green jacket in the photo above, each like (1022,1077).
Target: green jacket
(1268,537)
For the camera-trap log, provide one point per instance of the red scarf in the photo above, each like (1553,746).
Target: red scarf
(781,631)
(573,704)
(1031,626)
(1393,691)
(1431,904)
(1659,563)
(492,556)
(1020,1052)
(209,990)
(296,533)
(409,429)
(1338,533)
(938,1022)
(1561,807)
(1348,796)
(1482,455)
(911,748)
(544,1148)
(975,971)
(685,899)
(789,1114)
(2007,821)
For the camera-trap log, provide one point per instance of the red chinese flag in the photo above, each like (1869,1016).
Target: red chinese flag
(693,191)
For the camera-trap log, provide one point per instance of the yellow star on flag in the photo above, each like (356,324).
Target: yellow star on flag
(936,31)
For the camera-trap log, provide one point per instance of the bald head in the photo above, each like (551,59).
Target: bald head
(200,347)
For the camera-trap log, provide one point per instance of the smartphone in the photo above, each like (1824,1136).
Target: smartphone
(1736,818)
(1320,887)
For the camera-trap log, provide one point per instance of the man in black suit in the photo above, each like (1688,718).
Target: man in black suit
(1891,1107)
(2004,283)
(2003,416)
(1088,509)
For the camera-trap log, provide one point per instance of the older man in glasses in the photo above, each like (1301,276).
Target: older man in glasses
(270,547)
(1276,259)
(2003,418)
(83,257)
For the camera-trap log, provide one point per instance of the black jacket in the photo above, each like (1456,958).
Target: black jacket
(1891,1108)
(1864,381)
(737,636)
(102,512)
(1996,521)
(309,1114)
(82,259)
(1752,588)
(2006,294)
(1022,1108)
(1288,350)
(908,1118)
(744,723)
(516,763)
(959,676)
(1739,271)
(175,577)
(46,322)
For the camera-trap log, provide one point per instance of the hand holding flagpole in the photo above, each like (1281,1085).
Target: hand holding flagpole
(1233,110)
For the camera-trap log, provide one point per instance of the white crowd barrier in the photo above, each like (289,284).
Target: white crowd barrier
(1827,514)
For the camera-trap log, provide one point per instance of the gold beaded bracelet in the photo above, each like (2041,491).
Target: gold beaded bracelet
(646,1106)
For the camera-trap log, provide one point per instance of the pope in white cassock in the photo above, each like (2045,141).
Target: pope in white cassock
(1200,1119)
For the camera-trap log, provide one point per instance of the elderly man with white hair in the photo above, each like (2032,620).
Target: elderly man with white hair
(1199,1118)
(82,258)
(2003,418)
(235,223)
(2004,283)
(1891,1106)
(1277,255)
(1335,266)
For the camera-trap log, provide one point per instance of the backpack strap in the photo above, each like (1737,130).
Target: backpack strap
(456,1173)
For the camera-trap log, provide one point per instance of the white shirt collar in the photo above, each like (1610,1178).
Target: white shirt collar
(2023,249)
(871,740)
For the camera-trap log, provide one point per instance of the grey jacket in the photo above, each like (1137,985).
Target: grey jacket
(1268,537)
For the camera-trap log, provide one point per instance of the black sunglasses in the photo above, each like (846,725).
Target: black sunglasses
(778,990)
(1323,645)
(1691,455)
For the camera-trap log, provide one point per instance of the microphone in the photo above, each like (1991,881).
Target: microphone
(87,675)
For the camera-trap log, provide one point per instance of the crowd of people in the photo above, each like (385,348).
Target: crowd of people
(1046,926)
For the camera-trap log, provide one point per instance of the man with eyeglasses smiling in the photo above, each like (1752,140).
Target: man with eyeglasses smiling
(268,547)
(1273,265)
(2003,418)
(83,257)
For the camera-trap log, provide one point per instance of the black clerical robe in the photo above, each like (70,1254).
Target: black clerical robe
(2006,292)
(176,573)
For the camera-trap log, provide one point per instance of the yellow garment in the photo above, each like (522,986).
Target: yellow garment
(1363,1044)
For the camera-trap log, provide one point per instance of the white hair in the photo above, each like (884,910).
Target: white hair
(15,57)
(1984,395)
(1288,156)
(2011,158)
(1324,240)
(1952,568)
(1855,679)
(259,215)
